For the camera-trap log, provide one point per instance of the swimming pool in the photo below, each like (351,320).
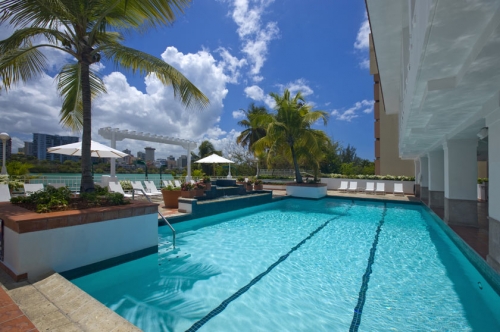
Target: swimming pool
(302,265)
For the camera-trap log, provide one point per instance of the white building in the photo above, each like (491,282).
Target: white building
(439,67)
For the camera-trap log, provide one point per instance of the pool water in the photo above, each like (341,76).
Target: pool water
(302,265)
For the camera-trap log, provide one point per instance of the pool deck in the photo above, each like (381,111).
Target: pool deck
(55,304)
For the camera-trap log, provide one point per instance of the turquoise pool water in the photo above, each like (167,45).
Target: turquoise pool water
(301,265)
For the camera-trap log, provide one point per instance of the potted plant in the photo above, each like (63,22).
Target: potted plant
(249,185)
(257,185)
(241,180)
(207,183)
(187,190)
(171,196)
(199,188)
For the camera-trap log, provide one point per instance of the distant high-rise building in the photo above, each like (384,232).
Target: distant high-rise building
(150,154)
(127,159)
(141,155)
(43,141)
(28,148)
(182,161)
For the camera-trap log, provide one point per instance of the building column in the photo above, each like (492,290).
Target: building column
(424,178)
(417,177)
(188,177)
(493,123)
(436,178)
(460,182)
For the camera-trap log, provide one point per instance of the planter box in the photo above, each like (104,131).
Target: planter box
(258,186)
(334,184)
(171,198)
(36,244)
(305,190)
(188,194)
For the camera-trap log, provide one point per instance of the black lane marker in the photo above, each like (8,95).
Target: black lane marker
(242,290)
(358,311)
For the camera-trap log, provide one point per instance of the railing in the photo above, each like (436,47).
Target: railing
(161,215)
(281,172)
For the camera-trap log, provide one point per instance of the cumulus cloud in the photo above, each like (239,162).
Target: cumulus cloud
(254,35)
(254,92)
(35,106)
(231,65)
(296,86)
(239,114)
(362,43)
(364,106)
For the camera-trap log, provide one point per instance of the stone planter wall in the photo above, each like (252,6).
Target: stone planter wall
(36,244)
(334,184)
(305,190)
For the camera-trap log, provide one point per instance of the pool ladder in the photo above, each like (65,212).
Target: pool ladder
(161,215)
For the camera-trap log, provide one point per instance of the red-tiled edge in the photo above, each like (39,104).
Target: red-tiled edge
(23,221)
(11,317)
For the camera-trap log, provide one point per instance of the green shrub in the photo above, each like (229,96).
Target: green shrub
(371,177)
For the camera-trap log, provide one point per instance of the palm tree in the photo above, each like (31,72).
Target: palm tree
(289,131)
(87,30)
(255,129)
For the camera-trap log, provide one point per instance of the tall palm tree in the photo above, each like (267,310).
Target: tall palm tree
(87,30)
(289,130)
(255,130)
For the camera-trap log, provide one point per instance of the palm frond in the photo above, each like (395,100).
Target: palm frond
(137,61)
(21,64)
(69,87)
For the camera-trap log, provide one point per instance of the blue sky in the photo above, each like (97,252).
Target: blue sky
(236,52)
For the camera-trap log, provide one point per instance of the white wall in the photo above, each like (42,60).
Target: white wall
(436,170)
(460,169)
(66,248)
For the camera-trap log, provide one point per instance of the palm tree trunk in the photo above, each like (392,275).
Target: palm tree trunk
(87,183)
(298,176)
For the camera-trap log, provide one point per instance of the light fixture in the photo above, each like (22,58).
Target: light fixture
(483,133)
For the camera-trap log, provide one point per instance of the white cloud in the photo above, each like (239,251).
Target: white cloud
(35,106)
(254,92)
(362,39)
(231,65)
(353,112)
(362,43)
(255,38)
(296,86)
(239,114)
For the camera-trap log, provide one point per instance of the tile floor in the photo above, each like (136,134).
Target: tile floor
(12,319)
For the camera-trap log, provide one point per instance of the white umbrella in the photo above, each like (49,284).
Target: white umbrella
(97,150)
(214,159)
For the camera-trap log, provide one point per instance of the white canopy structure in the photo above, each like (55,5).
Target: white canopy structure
(115,134)
(215,159)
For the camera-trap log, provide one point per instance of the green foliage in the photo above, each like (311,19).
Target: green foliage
(197,173)
(187,186)
(13,181)
(482,180)
(240,179)
(257,182)
(170,188)
(206,179)
(18,168)
(126,185)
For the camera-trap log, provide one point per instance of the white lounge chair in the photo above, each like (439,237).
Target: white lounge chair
(57,185)
(151,188)
(30,188)
(380,188)
(167,183)
(4,193)
(370,188)
(353,186)
(116,187)
(398,189)
(139,189)
(177,183)
(343,186)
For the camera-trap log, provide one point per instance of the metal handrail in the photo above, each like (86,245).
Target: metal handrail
(161,215)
